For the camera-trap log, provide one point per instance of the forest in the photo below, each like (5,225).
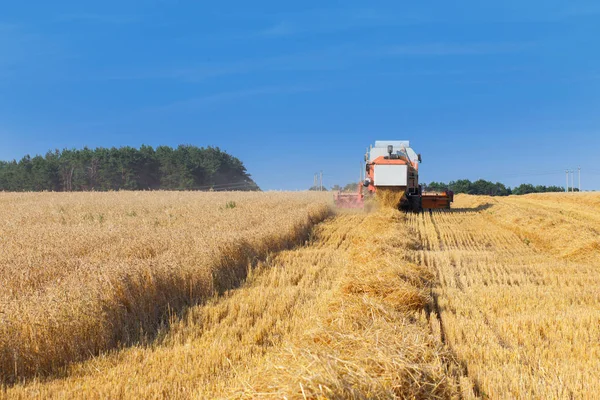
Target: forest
(126,168)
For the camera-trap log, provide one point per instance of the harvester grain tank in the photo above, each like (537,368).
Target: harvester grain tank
(393,166)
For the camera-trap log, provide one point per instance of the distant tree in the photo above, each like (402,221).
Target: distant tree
(9,177)
(484,187)
(24,173)
(336,188)
(44,173)
(502,190)
(557,189)
(525,188)
(461,186)
(351,187)
(436,187)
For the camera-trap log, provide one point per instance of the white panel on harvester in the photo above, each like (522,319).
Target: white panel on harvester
(390,175)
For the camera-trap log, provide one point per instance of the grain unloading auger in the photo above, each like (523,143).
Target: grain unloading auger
(392,174)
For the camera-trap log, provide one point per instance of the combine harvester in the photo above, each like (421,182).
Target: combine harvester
(392,174)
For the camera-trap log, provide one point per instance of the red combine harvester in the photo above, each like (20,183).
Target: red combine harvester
(394,166)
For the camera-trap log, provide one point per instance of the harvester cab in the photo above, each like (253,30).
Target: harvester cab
(392,173)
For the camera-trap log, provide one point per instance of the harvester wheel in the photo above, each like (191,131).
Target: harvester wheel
(413,204)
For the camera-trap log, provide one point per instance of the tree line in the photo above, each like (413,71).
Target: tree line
(127,168)
(480,186)
(351,187)
(484,187)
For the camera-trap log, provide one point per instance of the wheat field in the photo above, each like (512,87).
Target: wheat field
(223,295)
(86,272)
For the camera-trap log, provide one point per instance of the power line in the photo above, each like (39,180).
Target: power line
(520,175)
(224,186)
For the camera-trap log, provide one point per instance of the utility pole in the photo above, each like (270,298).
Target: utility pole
(572,181)
(579,178)
(321,181)
(567,186)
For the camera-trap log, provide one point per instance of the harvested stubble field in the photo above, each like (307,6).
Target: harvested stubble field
(518,292)
(497,298)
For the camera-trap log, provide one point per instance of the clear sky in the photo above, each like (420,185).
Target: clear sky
(505,90)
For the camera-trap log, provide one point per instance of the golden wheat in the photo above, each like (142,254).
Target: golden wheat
(389,197)
(86,272)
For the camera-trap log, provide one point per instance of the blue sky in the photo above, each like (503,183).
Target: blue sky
(507,91)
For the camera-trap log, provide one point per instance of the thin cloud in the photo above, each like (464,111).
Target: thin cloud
(280,29)
(574,11)
(324,59)
(524,12)
(332,21)
(456,49)
(96,18)
(327,59)
(232,96)
(25,52)
(5,27)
